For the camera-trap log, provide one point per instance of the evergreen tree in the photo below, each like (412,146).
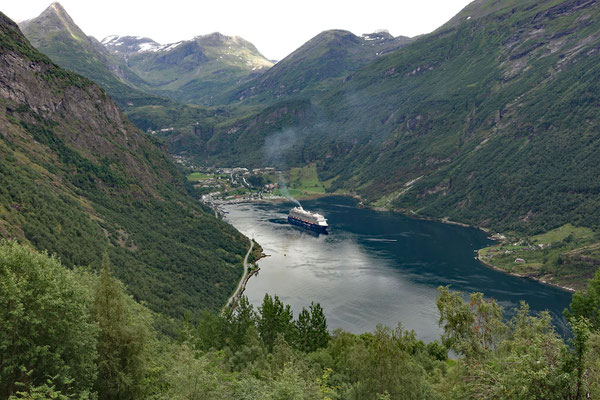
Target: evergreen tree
(318,322)
(311,329)
(303,331)
(275,318)
(242,321)
(125,329)
(212,331)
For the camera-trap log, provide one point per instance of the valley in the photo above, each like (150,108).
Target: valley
(145,250)
(377,267)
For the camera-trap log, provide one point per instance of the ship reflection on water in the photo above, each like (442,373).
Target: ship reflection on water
(309,232)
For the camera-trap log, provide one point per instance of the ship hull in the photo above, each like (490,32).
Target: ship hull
(307,225)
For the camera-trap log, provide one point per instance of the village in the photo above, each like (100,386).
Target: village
(215,186)
(219,186)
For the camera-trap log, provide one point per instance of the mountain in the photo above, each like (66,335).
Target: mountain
(55,34)
(126,45)
(278,98)
(78,179)
(320,63)
(196,70)
(491,120)
(488,120)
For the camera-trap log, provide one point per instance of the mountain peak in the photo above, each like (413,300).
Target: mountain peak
(217,38)
(53,19)
(56,9)
(380,34)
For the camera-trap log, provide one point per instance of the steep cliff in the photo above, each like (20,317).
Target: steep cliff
(78,180)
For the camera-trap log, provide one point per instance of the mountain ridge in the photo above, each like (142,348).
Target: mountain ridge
(78,179)
(331,55)
(211,62)
(55,34)
(195,70)
(413,129)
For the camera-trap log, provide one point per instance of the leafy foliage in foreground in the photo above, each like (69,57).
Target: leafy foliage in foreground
(46,330)
(76,334)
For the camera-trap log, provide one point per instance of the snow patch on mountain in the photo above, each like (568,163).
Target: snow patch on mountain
(168,47)
(109,39)
(148,46)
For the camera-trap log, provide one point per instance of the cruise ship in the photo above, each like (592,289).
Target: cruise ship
(306,219)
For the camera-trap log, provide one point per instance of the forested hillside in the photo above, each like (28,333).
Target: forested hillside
(316,66)
(77,179)
(490,120)
(76,334)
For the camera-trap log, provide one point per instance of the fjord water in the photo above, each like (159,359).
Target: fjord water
(377,267)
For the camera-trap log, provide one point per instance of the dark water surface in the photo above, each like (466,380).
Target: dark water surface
(376,267)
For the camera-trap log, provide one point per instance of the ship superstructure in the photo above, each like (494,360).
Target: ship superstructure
(306,219)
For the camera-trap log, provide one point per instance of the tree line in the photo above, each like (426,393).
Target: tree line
(77,334)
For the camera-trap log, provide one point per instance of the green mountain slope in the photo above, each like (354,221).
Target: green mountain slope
(494,114)
(490,120)
(196,70)
(77,179)
(319,64)
(55,34)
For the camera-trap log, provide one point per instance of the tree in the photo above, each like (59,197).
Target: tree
(212,331)
(592,367)
(275,318)
(45,330)
(311,329)
(124,339)
(318,321)
(524,359)
(303,330)
(241,322)
(581,333)
(382,364)
(469,328)
(587,304)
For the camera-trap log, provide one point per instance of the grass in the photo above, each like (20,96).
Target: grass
(562,233)
(199,176)
(564,256)
(305,180)
(291,192)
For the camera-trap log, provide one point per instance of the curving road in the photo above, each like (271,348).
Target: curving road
(241,284)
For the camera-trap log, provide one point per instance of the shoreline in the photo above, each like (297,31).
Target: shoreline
(533,278)
(247,274)
(412,214)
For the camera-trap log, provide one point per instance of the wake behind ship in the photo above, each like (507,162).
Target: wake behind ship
(306,219)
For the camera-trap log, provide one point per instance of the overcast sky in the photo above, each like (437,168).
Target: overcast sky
(276,27)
